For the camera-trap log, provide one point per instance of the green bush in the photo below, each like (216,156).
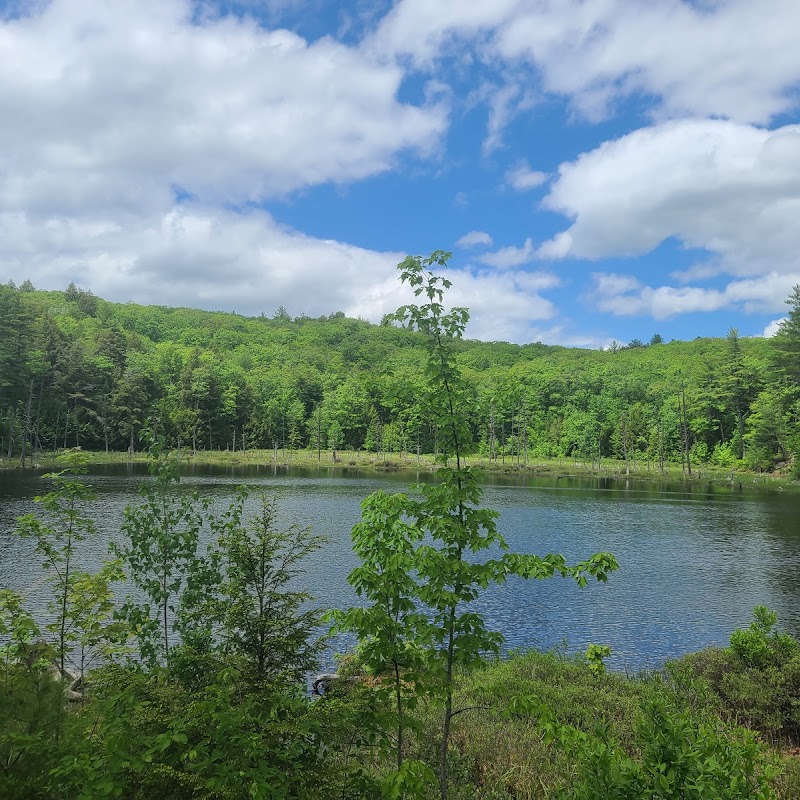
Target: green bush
(761,645)
(146,736)
(756,681)
(680,758)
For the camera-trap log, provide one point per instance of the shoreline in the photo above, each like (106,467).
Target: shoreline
(642,473)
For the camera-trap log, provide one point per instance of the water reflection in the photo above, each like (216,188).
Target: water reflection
(693,562)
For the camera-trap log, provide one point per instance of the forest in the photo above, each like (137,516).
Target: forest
(78,371)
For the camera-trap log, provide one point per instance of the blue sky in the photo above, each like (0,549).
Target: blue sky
(601,169)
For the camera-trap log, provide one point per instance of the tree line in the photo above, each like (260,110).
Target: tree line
(76,370)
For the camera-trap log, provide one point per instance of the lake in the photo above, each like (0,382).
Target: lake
(693,562)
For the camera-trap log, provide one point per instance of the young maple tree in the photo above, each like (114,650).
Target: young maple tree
(420,553)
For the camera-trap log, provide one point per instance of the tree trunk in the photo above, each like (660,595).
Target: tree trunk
(685,429)
(26,434)
(491,432)
(740,425)
(37,445)
(525,431)
(12,422)
(625,446)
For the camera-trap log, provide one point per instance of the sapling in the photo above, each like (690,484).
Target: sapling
(426,552)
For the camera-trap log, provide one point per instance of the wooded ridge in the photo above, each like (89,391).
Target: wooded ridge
(76,370)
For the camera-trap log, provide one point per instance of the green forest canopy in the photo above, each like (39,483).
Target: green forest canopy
(76,370)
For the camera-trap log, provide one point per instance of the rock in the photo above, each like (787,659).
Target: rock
(322,683)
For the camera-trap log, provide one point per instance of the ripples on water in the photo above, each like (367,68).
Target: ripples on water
(693,564)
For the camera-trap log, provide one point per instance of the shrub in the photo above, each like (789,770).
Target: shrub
(680,758)
(761,645)
(756,681)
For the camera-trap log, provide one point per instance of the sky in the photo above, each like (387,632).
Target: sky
(601,170)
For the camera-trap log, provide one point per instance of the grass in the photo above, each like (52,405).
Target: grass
(498,757)
(505,757)
(638,472)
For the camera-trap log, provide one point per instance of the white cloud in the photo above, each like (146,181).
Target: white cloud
(727,188)
(474,239)
(205,257)
(429,29)
(523,178)
(508,257)
(115,104)
(624,295)
(500,113)
(772,328)
(193,255)
(736,59)
(505,307)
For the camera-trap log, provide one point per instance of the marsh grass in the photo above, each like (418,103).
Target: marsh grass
(505,753)
(499,755)
(642,473)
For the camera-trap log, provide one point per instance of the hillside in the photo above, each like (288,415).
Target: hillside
(76,370)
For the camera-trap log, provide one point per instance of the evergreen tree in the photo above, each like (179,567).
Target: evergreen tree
(787,342)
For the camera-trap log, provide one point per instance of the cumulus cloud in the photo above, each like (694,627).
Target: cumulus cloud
(138,138)
(507,307)
(736,59)
(133,131)
(508,257)
(121,104)
(624,295)
(730,189)
(247,262)
(772,328)
(522,178)
(474,239)
(428,29)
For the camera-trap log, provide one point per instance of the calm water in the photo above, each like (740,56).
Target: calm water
(693,563)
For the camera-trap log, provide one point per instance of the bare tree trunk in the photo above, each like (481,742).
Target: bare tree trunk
(525,430)
(625,445)
(491,431)
(685,420)
(37,445)
(740,425)
(12,422)
(26,434)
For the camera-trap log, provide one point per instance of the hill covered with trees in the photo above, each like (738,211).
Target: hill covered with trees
(76,370)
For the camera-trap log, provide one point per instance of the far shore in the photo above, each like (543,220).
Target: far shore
(642,472)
